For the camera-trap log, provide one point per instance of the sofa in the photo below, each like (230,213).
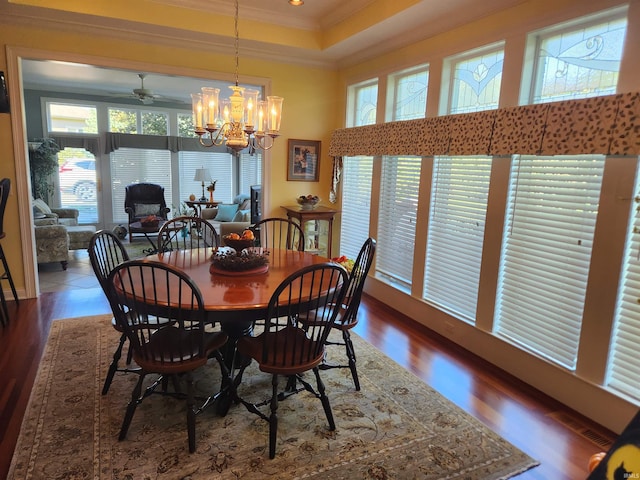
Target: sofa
(230,218)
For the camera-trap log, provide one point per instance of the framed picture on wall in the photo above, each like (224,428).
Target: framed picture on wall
(304,160)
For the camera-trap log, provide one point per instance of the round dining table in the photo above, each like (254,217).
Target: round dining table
(236,296)
(235,300)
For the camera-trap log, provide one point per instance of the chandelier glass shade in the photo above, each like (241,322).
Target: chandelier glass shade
(243,120)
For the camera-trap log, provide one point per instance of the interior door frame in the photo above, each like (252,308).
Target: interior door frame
(19,133)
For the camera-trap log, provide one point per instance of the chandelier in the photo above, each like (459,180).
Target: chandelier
(241,121)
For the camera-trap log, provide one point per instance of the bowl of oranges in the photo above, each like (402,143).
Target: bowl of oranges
(239,242)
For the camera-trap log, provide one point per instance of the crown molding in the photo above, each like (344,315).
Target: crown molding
(162,36)
(285,16)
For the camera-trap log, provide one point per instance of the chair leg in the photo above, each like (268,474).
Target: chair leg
(114,365)
(273,418)
(325,400)
(3,301)
(351,355)
(131,408)
(7,275)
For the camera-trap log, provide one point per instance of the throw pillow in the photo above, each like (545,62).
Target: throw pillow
(242,216)
(241,198)
(41,206)
(226,212)
(144,209)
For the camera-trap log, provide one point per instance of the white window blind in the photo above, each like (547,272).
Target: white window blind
(546,253)
(356,204)
(220,166)
(133,165)
(250,171)
(624,361)
(397,219)
(456,233)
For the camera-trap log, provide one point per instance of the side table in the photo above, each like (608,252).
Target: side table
(198,205)
(313,236)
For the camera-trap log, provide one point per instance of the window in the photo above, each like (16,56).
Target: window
(68,117)
(250,171)
(553,201)
(219,164)
(136,121)
(78,183)
(155,123)
(356,204)
(357,172)
(408,93)
(363,102)
(459,192)
(456,234)
(579,60)
(397,226)
(185,125)
(134,165)
(553,205)
(473,80)
(623,372)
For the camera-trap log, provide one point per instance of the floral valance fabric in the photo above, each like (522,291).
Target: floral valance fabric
(608,125)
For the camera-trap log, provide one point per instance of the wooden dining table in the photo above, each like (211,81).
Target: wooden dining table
(234,300)
(235,295)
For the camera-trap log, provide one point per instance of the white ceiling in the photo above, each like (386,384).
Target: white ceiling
(421,20)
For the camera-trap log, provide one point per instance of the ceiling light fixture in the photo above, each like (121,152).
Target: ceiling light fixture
(240,121)
(296,3)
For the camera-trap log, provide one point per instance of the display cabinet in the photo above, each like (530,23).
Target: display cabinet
(317,225)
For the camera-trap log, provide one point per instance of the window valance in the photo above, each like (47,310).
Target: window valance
(608,125)
(90,144)
(156,142)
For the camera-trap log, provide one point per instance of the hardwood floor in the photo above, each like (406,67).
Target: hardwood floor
(525,417)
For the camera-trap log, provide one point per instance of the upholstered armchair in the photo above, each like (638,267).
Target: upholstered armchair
(52,244)
(142,200)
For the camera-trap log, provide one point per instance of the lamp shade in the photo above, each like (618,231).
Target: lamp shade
(202,175)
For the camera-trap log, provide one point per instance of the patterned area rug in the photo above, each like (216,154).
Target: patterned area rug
(396,427)
(140,247)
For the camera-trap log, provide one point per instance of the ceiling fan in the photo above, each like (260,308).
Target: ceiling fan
(146,95)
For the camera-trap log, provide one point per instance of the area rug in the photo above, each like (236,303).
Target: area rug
(396,427)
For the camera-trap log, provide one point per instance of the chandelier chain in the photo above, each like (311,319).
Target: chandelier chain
(237,43)
(241,121)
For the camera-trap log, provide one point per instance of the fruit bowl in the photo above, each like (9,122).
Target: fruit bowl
(238,244)
(150,221)
(247,262)
(308,202)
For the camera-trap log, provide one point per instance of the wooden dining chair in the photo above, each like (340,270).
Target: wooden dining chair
(288,348)
(279,233)
(162,313)
(5,186)
(186,233)
(106,251)
(348,313)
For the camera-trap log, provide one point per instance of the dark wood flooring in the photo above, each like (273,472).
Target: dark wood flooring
(533,422)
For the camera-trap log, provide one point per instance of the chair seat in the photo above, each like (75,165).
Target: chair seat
(165,340)
(281,360)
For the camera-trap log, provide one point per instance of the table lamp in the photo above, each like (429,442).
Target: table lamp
(202,175)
